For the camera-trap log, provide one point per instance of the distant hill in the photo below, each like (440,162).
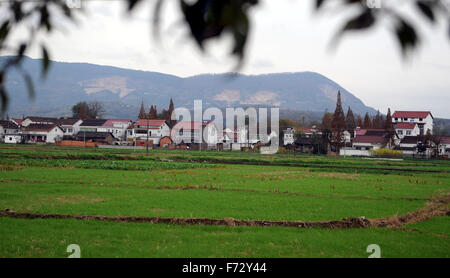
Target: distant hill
(122,90)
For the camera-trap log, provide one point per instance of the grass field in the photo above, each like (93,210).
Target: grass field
(216,185)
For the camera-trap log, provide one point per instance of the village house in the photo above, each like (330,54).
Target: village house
(304,132)
(186,132)
(444,146)
(8,128)
(409,145)
(407,129)
(116,127)
(41,133)
(155,129)
(423,119)
(70,126)
(97,137)
(289,136)
(95,125)
(369,142)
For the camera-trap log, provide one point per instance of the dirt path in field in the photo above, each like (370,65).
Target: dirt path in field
(434,208)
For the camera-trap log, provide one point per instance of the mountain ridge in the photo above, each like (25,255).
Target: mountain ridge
(124,89)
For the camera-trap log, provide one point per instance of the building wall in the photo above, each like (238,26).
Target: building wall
(404,132)
(428,122)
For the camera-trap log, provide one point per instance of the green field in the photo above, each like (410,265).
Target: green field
(216,185)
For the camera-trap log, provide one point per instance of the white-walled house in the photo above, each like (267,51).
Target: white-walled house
(369,142)
(117,127)
(156,129)
(70,126)
(42,133)
(186,132)
(423,119)
(406,129)
(289,136)
(444,146)
(7,127)
(95,125)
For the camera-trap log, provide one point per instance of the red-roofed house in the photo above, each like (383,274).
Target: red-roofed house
(423,119)
(116,127)
(17,121)
(156,129)
(406,129)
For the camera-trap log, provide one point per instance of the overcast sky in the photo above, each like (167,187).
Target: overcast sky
(287,36)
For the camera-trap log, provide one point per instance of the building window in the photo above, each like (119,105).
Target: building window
(70,130)
(400,132)
(408,132)
(405,119)
(396,119)
(420,119)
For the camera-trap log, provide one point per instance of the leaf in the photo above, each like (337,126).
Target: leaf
(406,35)
(45,18)
(364,20)
(426,8)
(29,83)
(156,17)
(4,30)
(319,4)
(16,7)
(21,49)
(45,61)
(3,93)
(132,4)
(448,29)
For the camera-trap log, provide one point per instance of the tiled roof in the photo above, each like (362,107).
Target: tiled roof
(372,139)
(152,124)
(18,121)
(410,140)
(8,124)
(445,140)
(39,127)
(405,125)
(68,121)
(111,122)
(411,114)
(96,122)
(93,135)
(41,119)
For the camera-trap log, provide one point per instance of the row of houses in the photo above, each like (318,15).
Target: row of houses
(411,129)
(155,132)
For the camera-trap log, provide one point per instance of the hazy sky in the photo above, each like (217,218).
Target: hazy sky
(287,36)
